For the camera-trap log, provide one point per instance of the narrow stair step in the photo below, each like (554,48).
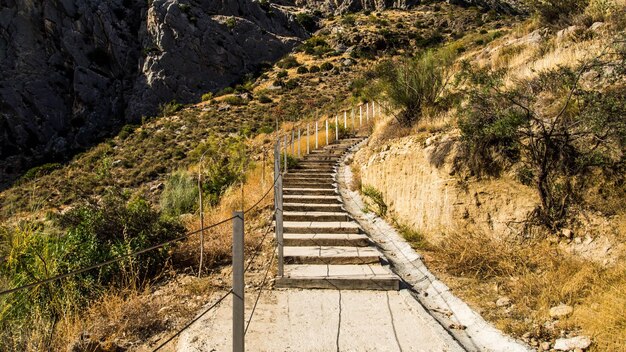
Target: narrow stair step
(322,208)
(343,277)
(305,184)
(321,227)
(312,199)
(309,191)
(331,255)
(315,216)
(325,239)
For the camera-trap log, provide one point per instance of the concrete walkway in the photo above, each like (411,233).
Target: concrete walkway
(324,320)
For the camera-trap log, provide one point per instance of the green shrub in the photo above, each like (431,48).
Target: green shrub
(348,20)
(40,171)
(264,99)
(126,131)
(88,234)
(558,11)
(288,62)
(282,74)
(235,100)
(292,161)
(314,69)
(180,195)
(412,84)
(231,22)
(291,84)
(327,66)
(225,91)
(207,96)
(306,21)
(560,131)
(171,108)
(377,198)
(223,165)
(302,70)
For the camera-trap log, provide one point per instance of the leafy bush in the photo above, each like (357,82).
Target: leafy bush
(288,62)
(126,131)
(314,69)
(85,235)
(235,100)
(348,20)
(412,84)
(302,70)
(377,198)
(327,66)
(207,96)
(558,11)
(306,21)
(224,162)
(560,131)
(180,195)
(225,91)
(282,74)
(40,171)
(171,108)
(264,99)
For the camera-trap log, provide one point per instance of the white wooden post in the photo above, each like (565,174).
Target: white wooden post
(345,120)
(337,127)
(299,142)
(308,139)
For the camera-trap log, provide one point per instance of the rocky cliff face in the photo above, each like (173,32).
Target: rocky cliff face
(345,6)
(72,71)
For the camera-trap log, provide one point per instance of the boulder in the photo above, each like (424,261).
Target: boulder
(561,311)
(572,343)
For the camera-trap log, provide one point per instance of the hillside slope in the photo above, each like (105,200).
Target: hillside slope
(74,72)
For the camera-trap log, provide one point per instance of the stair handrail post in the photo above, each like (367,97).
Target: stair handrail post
(337,127)
(316,136)
(293,142)
(285,154)
(308,139)
(299,142)
(278,209)
(345,120)
(238,283)
(327,132)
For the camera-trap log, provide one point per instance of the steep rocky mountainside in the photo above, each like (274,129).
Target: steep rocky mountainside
(75,71)
(345,6)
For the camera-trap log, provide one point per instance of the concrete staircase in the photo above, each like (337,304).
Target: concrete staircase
(324,247)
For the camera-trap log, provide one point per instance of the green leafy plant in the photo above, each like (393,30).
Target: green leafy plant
(560,131)
(376,197)
(180,194)
(413,84)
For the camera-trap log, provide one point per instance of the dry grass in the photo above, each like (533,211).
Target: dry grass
(535,276)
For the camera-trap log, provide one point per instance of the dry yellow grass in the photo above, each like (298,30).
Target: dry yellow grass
(536,277)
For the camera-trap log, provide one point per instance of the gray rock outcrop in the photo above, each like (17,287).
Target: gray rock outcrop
(74,71)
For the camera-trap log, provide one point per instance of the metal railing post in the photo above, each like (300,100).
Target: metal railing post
(238,283)
(293,142)
(316,138)
(285,151)
(299,142)
(278,210)
(327,132)
(308,139)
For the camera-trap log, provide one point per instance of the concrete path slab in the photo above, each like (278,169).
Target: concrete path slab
(323,320)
